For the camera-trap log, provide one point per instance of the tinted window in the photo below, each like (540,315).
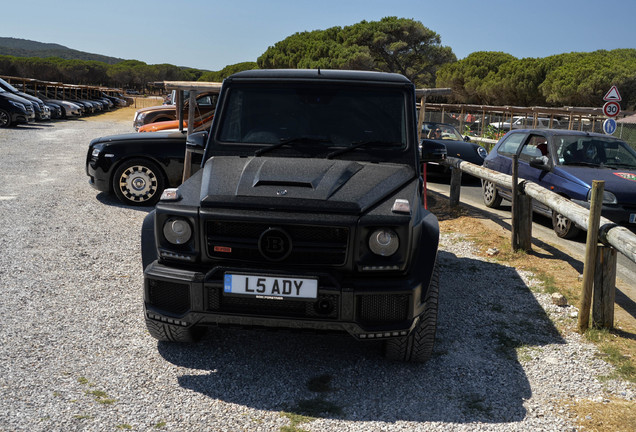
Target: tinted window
(335,116)
(536,147)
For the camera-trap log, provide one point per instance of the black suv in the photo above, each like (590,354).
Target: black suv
(305,214)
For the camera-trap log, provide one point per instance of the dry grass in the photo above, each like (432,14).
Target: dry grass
(126,114)
(558,273)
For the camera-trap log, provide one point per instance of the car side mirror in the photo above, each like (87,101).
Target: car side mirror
(196,141)
(431,151)
(540,163)
(466,138)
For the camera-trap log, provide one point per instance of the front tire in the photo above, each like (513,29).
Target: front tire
(138,182)
(174,333)
(417,347)
(564,227)
(5,119)
(492,199)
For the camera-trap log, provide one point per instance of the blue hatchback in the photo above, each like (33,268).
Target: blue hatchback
(566,162)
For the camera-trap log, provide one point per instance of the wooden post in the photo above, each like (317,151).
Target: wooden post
(455,186)
(590,254)
(514,225)
(604,287)
(420,119)
(524,223)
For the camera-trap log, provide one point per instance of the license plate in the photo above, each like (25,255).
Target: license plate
(632,218)
(275,287)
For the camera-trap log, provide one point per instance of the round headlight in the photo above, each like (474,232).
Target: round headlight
(384,242)
(177,231)
(482,152)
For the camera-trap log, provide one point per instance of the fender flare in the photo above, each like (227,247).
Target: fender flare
(148,240)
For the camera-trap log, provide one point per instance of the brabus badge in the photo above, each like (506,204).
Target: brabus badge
(281,192)
(626,176)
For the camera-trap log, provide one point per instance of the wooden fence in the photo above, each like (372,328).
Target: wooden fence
(599,272)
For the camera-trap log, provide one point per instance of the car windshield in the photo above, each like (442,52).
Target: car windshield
(314,117)
(441,132)
(594,151)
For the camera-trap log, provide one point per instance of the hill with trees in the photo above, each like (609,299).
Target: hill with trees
(390,45)
(26,48)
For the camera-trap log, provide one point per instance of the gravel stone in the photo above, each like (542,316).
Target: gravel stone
(75,354)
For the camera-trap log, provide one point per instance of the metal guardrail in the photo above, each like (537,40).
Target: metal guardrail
(620,238)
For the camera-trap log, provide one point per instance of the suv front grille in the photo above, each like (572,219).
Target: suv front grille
(308,244)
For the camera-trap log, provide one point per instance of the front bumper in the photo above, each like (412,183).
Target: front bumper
(369,308)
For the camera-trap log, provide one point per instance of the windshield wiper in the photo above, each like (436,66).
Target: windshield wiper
(310,139)
(359,144)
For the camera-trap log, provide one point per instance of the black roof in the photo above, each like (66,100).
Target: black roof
(322,74)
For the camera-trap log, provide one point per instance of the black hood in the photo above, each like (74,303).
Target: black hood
(299,184)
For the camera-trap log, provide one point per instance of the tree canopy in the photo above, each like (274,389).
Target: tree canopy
(572,79)
(390,45)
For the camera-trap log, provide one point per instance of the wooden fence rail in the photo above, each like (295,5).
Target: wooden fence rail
(619,238)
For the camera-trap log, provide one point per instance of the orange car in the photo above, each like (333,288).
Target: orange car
(200,124)
(206,103)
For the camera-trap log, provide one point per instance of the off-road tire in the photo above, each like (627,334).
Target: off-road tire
(417,347)
(174,333)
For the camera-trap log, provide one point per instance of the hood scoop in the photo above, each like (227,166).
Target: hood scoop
(299,184)
(320,178)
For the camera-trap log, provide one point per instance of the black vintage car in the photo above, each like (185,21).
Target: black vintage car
(136,167)
(456,145)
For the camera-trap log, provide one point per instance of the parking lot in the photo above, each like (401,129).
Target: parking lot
(75,353)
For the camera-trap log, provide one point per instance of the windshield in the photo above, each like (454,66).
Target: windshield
(8,86)
(594,151)
(314,116)
(440,131)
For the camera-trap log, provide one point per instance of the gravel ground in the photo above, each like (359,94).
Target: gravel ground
(75,354)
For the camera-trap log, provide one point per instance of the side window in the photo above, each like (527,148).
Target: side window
(537,147)
(511,144)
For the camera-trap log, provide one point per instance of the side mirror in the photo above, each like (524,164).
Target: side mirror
(196,141)
(540,163)
(466,138)
(431,151)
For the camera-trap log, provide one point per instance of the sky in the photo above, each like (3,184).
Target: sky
(211,34)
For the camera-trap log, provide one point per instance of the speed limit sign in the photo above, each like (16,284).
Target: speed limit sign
(611,109)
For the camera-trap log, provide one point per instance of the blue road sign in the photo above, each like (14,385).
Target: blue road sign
(609,126)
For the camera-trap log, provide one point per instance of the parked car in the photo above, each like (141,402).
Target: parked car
(14,109)
(201,123)
(566,162)
(523,122)
(40,110)
(456,145)
(136,167)
(206,103)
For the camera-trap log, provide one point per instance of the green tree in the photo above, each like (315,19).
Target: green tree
(392,44)
(218,76)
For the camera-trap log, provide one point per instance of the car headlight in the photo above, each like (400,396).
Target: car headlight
(384,242)
(608,197)
(177,230)
(18,105)
(482,152)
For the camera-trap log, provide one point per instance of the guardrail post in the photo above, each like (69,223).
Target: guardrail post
(521,226)
(455,186)
(589,265)
(604,287)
